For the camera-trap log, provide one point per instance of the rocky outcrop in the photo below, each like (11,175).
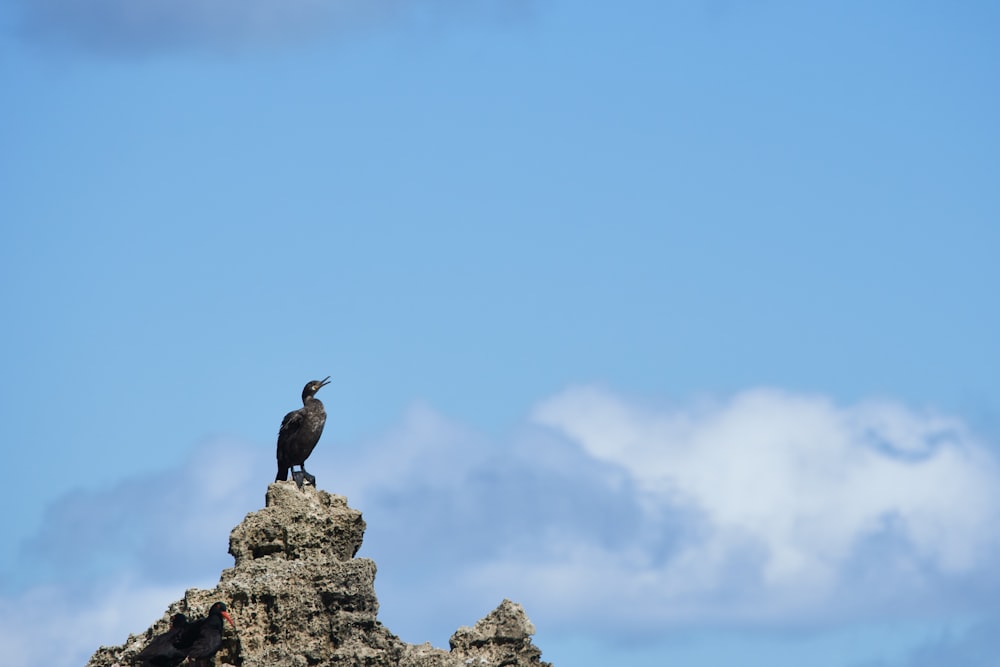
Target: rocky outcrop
(503,637)
(300,598)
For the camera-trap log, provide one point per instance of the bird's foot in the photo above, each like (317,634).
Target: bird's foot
(298,475)
(309,478)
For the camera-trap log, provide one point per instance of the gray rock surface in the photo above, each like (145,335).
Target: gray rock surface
(300,598)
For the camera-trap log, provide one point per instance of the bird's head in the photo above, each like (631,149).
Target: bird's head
(220,609)
(178,621)
(313,386)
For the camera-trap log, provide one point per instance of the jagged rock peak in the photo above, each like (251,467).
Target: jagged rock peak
(297,524)
(300,598)
(502,637)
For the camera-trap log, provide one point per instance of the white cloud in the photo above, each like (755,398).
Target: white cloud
(790,488)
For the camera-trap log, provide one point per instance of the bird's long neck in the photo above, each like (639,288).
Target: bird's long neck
(312,403)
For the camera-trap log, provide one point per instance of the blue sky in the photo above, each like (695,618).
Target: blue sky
(673,321)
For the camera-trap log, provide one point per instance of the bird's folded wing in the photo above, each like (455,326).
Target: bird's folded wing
(291,422)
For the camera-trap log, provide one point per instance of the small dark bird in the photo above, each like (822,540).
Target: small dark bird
(161,652)
(203,638)
(300,431)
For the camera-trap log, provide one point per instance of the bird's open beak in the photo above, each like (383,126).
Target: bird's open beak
(225,615)
(325,381)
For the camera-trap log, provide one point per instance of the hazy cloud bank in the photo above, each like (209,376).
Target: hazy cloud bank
(151,26)
(106,563)
(766,509)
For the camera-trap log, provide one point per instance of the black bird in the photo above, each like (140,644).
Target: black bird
(300,431)
(201,640)
(161,652)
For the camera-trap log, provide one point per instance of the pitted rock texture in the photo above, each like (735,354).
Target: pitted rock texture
(300,598)
(296,524)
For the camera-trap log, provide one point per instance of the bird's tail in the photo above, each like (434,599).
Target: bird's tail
(282,474)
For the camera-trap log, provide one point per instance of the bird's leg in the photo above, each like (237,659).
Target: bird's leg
(297,475)
(309,478)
